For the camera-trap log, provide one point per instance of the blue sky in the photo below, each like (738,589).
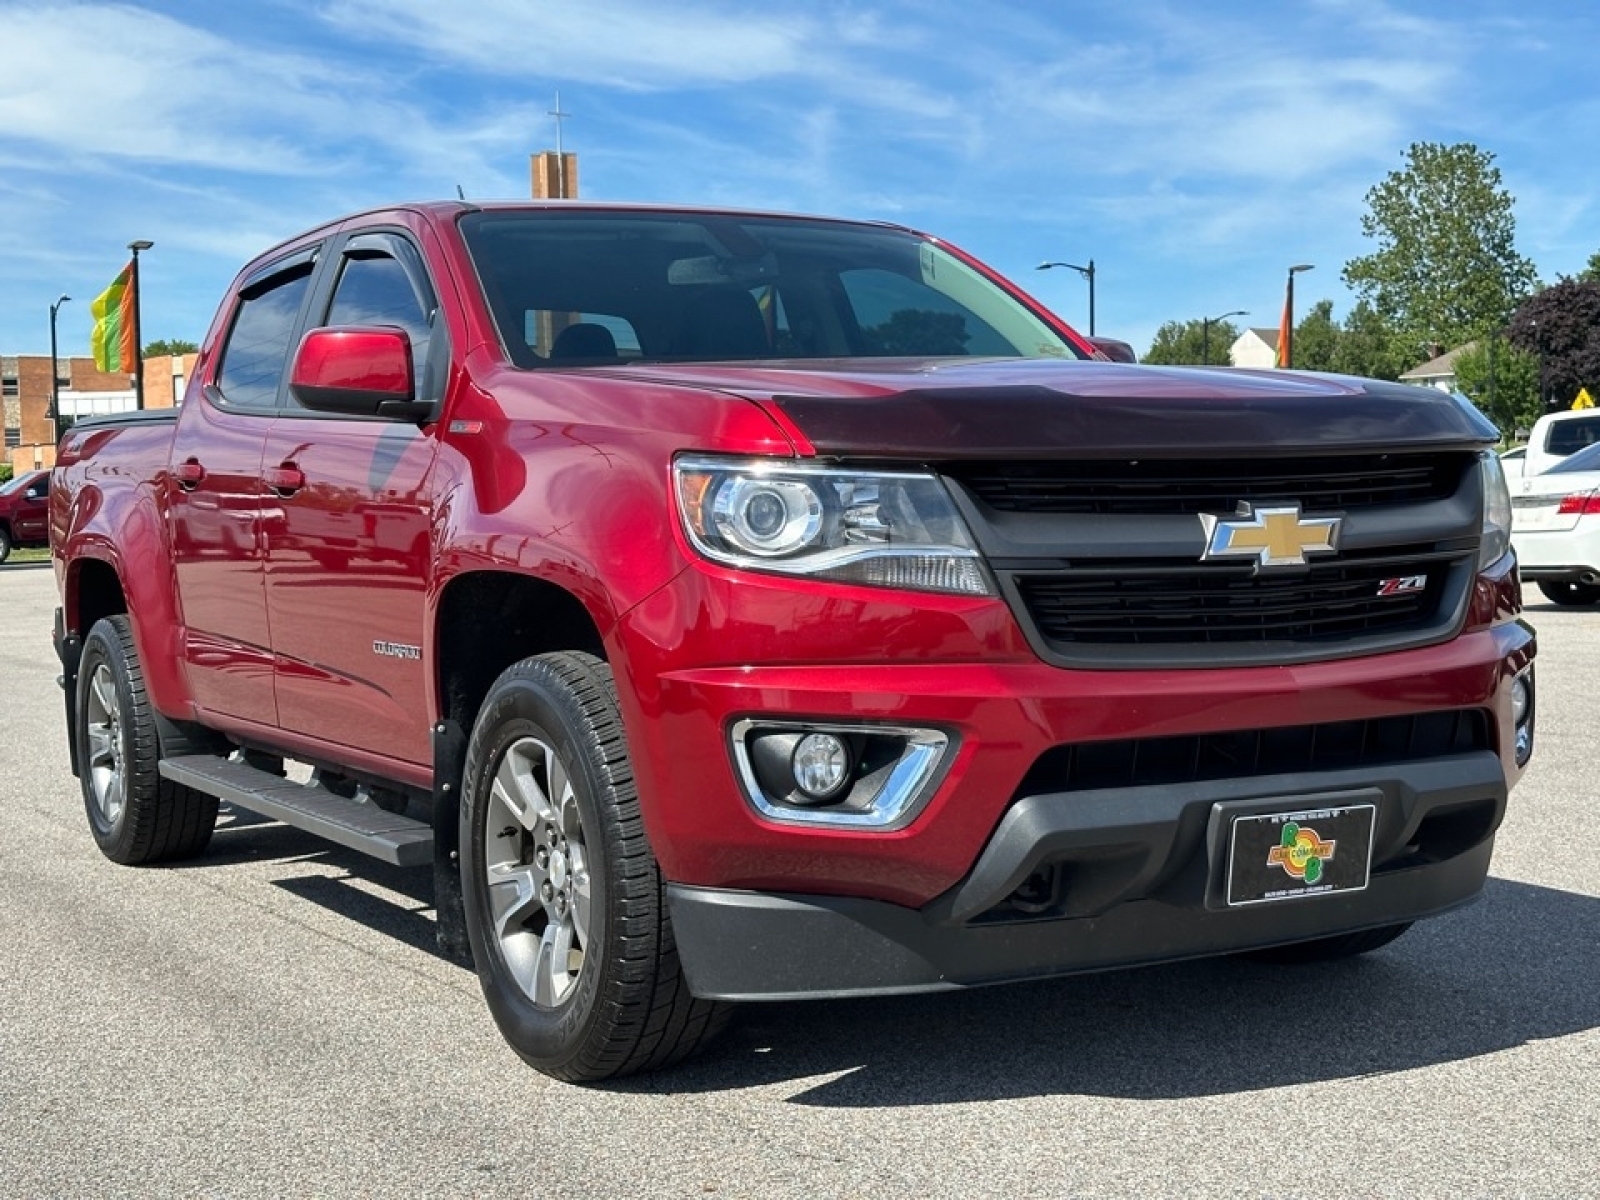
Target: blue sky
(1192,150)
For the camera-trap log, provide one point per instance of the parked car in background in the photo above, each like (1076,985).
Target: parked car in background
(1555,528)
(1514,462)
(24,508)
(1556,435)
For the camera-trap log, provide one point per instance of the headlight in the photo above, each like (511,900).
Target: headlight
(879,528)
(1496,511)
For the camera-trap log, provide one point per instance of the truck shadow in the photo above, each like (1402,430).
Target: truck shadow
(1518,966)
(1521,965)
(395,901)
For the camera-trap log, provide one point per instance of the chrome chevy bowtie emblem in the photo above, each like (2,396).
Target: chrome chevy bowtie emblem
(1274,535)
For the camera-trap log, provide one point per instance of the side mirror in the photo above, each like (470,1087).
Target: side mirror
(358,371)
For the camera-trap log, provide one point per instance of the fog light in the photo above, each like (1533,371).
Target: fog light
(1519,700)
(1522,701)
(821,766)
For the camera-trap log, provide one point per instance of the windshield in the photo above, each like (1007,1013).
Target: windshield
(587,288)
(15,483)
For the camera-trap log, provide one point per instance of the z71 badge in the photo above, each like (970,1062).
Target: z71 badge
(1405,585)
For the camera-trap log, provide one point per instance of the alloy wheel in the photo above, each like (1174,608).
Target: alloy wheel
(537,869)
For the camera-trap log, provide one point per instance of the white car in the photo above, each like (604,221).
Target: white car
(1558,434)
(1555,528)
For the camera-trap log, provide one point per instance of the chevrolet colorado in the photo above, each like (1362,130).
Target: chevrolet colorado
(734,606)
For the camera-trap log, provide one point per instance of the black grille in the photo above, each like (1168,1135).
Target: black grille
(1161,486)
(1230,604)
(1153,762)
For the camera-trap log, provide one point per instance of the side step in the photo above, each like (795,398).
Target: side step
(403,841)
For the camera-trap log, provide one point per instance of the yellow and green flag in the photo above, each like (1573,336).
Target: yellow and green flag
(112,339)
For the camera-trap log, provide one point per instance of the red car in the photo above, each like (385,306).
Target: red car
(735,606)
(24,511)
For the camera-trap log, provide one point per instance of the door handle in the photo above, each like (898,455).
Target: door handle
(285,480)
(189,474)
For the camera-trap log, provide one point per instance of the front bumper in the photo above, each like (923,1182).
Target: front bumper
(1138,872)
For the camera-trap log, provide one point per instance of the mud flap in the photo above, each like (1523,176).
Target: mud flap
(449,764)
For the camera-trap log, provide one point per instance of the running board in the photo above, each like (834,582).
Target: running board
(403,841)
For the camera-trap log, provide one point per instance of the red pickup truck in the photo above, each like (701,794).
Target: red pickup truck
(733,606)
(24,506)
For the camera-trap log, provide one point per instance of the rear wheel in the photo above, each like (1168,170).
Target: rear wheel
(135,815)
(1345,945)
(564,902)
(1570,594)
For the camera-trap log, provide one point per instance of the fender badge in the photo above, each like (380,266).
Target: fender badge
(1273,535)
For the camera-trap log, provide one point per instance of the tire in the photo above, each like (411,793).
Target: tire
(1329,949)
(555,866)
(5,543)
(1570,595)
(136,816)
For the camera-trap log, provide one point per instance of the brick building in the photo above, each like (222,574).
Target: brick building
(30,439)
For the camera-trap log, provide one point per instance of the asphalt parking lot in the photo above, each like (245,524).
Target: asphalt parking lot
(271,1020)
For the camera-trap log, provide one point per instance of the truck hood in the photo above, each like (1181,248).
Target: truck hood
(1042,408)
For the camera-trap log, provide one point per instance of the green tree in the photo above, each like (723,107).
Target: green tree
(169,346)
(1591,269)
(1503,382)
(1446,269)
(1316,339)
(1367,346)
(1192,343)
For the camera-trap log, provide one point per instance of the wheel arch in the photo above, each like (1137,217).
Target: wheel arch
(93,591)
(487,620)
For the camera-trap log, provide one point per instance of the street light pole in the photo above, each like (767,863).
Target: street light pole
(1087,273)
(55,371)
(1205,333)
(138,348)
(1286,335)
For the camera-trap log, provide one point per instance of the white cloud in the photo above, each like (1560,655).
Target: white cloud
(109,81)
(629,44)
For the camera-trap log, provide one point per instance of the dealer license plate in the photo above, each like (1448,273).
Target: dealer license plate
(1280,856)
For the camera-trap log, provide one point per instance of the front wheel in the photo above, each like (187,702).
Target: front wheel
(564,902)
(1328,949)
(5,543)
(1569,595)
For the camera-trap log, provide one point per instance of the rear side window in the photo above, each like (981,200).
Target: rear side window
(257,351)
(1568,437)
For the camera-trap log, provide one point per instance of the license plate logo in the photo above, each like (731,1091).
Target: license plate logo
(1301,853)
